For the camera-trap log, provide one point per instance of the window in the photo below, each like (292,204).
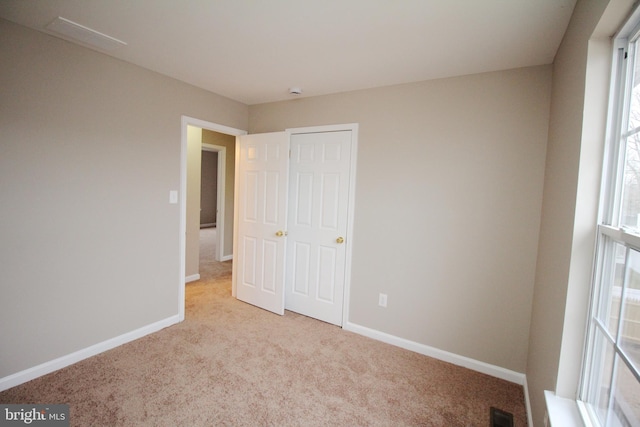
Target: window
(610,391)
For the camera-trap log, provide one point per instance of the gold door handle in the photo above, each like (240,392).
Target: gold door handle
(340,240)
(281,233)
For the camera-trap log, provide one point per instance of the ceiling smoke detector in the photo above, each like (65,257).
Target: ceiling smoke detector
(295,91)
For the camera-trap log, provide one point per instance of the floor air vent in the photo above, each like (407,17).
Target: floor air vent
(501,418)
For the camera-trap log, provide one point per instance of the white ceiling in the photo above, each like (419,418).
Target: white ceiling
(254,50)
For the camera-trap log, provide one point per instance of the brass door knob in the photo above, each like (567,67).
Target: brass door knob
(340,240)
(280,233)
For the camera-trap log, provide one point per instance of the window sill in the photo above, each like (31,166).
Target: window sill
(562,412)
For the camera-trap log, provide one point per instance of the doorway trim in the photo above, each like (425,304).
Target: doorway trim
(203,124)
(220,196)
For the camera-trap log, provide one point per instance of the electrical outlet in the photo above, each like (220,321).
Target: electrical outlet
(382,300)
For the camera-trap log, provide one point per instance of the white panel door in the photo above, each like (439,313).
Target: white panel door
(317,224)
(262,217)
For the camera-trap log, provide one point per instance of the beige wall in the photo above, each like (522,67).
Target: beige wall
(89,150)
(571,190)
(228,141)
(447,210)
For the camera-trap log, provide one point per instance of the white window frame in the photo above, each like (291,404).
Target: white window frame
(610,230)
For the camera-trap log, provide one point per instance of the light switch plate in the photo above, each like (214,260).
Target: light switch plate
(173,197)
(382,300)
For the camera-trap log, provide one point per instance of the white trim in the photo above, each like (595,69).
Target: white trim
(465,362)
(226,258)
(235,219)
(221,206)
(182,232)
(214,126)
(353,127)
(621,235)
(527,402)
(586,414)
(64,361)
(562,412)
(220,195)
(186,121)
(192,278)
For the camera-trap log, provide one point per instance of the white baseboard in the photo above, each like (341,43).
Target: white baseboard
(466,362)
(527,403)
(192,278)
(64,361)
(226,258)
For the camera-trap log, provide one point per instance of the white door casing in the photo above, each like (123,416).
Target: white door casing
(319,171)
(261,218)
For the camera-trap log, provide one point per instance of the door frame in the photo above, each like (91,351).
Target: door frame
(220,197)
(353,127)
(203,124)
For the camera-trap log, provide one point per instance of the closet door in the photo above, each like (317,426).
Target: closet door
(317,224)
(261,215)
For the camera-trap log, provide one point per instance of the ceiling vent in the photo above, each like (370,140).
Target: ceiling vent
(84,35)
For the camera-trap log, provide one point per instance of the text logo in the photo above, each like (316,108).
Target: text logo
(34,415)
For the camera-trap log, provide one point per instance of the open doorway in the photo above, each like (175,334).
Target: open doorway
(197,134)
(215,252)
(209,180)
(217,189)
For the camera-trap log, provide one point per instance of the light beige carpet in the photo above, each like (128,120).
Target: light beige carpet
(232,364)
(209,267)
